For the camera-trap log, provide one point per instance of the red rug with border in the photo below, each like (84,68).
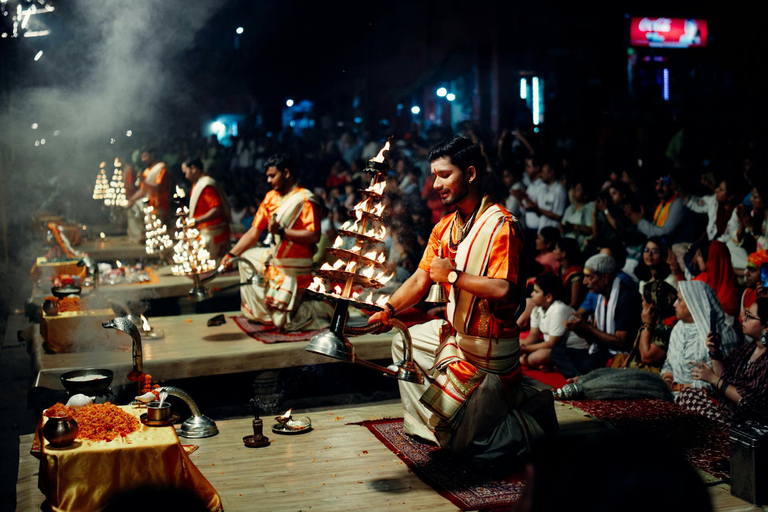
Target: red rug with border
(268,334)
(705,443)
(466,485)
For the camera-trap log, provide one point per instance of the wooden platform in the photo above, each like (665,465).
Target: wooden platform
(192,349)
(114,248)
(169,286)
(335,467)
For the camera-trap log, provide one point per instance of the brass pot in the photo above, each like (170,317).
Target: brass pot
(60,431)
(50,307)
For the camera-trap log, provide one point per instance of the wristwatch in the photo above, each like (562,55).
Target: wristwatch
(453,276)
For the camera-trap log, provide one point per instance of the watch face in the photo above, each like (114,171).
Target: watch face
(453,276)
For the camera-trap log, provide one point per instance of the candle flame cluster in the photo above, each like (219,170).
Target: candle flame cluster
(361,256)
(189,254)
(112,192)
(158,239)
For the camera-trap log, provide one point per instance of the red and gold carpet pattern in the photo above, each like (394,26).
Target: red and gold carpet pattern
(468,486)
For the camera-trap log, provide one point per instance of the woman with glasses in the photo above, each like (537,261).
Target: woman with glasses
(657,263)
(740,380)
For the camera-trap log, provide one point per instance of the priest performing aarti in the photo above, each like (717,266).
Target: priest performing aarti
(208,208)
(153,185)
(290,215)
(471,402)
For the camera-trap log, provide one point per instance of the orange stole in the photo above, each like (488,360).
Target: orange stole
(662,211)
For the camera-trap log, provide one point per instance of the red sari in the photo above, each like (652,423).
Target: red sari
(720,276)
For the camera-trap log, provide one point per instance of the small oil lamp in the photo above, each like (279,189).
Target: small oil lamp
(148,332)
(283,420)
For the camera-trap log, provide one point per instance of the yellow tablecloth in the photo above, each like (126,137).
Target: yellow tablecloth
(88,474)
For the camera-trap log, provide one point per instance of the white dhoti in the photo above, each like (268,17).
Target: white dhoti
(258,299)
(485,427)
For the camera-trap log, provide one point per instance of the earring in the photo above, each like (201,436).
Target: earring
(763,340)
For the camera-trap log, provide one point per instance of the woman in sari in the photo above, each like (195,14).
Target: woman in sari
(719,275)
(571,272)
(740,379)
(695,301)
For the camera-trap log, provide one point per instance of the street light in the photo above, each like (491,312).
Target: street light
(415,110)
(239,30)
(289,103)
(442,91)
(450,96)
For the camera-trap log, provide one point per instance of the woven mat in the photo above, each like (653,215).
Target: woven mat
(268,334)
(703,442)
(468,486)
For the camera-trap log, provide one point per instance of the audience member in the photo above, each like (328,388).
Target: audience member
(719,275)
(654,264)
(545,244)
(740,378)
(548,325)
(570,270)
(578,216)
(695,302)
(617,315)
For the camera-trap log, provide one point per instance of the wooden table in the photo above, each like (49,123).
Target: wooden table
(192,349)
(333,468)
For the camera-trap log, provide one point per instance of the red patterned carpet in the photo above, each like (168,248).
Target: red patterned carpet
(704,442)
(468,486)
(268,334)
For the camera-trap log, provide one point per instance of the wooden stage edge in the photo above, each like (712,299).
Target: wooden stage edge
(335,467)
(192,349)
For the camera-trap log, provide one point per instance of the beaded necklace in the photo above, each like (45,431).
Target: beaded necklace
(463,231)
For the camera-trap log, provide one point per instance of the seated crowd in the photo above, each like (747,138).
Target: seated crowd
(655,273)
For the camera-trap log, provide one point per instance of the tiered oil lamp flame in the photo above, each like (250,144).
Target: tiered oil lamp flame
(158,239)
(115,193)
(100,189)
(189,254)
(358,270)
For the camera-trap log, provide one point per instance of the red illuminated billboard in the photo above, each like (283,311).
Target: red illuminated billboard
(668,32)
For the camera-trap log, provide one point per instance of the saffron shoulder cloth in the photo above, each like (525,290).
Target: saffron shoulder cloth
(197,191)
(463,360)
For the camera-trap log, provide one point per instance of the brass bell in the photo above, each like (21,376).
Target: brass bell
(437,294)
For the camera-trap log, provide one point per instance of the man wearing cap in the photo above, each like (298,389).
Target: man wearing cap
(471,402)
(616,318)
(752,280)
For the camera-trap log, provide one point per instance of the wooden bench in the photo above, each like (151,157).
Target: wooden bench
(192,349)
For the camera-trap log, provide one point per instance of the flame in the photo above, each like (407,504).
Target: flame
(369,298)
(338,243)
(179,191)
(377,188)
(326,266)
(355,249)
(380,157)
(117,162)
(355,295)
(382,258)
(338,264)
(378,209)
(382,300)
(287,413)
(370,255)
(384,278)
(144,324)
(367,272)
(119,264)
(351,266)
(103,164)
(337,289)
(102,235)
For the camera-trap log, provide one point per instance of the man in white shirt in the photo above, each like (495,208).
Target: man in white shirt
(534,185)
(551,200)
